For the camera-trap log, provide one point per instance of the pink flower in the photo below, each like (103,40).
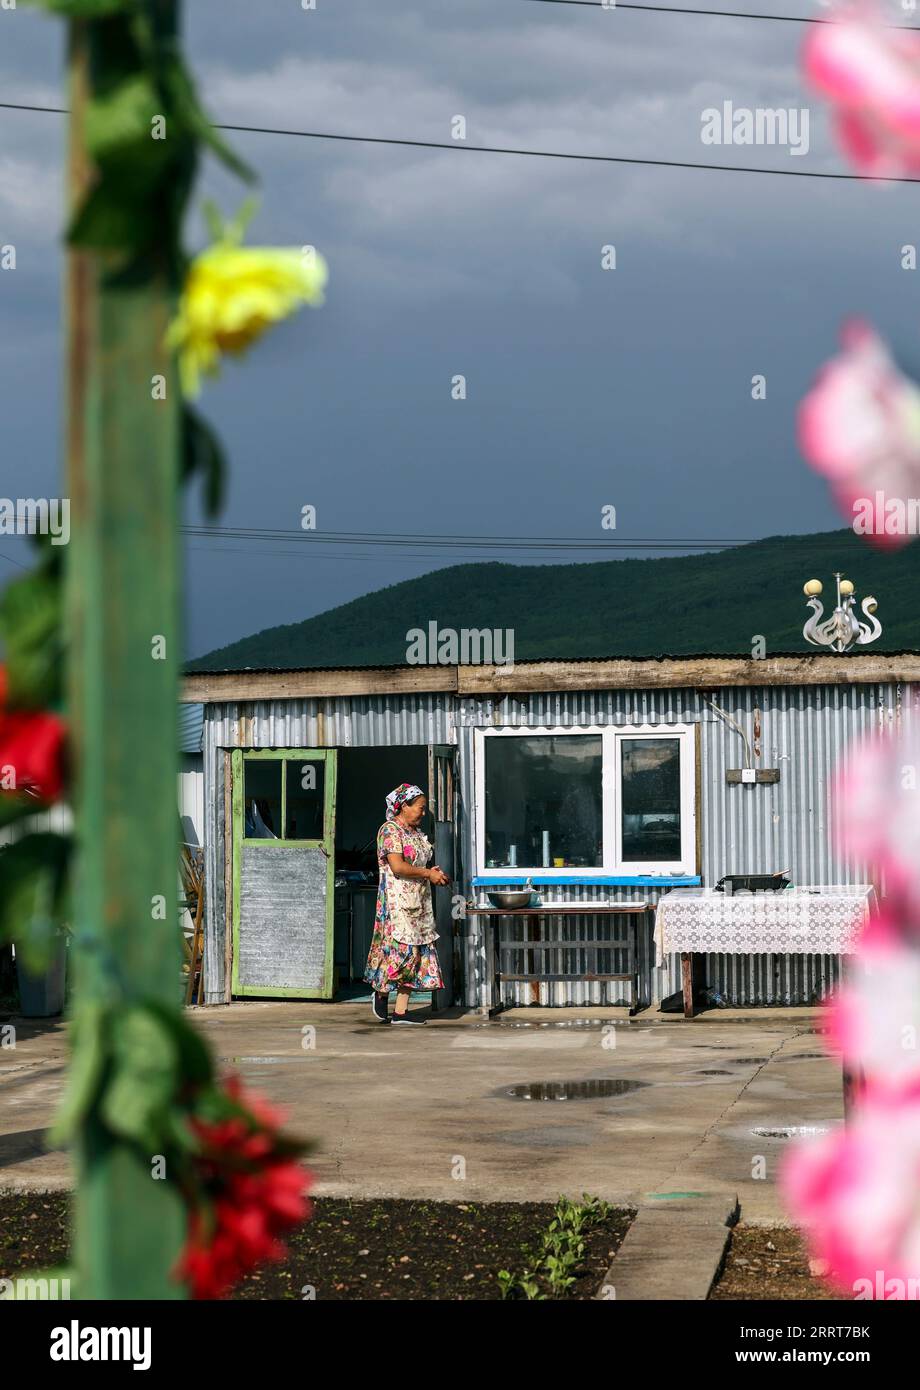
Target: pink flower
(855,1192)
(871,75)
(875,1018)
(859,425)
(877,809)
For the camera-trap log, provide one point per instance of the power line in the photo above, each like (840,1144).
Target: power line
(525,153)
(464,547)
(715,14)
(470,546)
(562,154)
(12,561)
(277,554)
(443,542)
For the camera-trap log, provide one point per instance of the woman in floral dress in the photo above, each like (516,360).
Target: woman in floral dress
(403,954)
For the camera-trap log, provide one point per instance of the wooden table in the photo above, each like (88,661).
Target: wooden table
(492,959)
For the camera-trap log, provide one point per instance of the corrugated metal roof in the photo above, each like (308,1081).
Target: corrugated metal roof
(191,724)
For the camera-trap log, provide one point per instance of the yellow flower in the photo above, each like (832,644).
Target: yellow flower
(232,294)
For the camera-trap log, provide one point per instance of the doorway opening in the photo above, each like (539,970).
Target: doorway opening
(365,777)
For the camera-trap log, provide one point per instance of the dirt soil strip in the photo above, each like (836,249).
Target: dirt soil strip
(357,1249)
(770,1262)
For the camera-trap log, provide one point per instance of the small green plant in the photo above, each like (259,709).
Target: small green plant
(524,1285)
(561,1252)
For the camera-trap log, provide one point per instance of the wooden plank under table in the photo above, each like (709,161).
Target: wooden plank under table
(535,943)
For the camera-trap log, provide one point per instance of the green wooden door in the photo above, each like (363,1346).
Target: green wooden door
(283,872)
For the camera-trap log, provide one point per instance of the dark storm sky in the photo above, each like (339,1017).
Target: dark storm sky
(585,387)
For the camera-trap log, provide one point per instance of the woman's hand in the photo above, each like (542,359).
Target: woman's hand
(438,877)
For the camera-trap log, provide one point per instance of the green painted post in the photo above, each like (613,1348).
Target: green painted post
(123,630)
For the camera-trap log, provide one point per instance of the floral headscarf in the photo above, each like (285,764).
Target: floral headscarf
(406,791)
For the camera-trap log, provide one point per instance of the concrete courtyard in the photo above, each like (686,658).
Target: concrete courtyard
(427,1112)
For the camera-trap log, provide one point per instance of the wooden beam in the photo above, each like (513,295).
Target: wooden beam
(665,673)
(214,687)
(693,672)
(686,979)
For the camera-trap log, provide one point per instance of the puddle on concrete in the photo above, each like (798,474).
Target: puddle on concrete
(581,1023)
(809,1057)
(714,1071)
(571,1090)
(788,1131)
(741,1061)
(258,1059)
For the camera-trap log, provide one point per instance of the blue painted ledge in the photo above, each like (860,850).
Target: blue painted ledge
(496,879)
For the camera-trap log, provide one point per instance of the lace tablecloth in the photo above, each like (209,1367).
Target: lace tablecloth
(797,921)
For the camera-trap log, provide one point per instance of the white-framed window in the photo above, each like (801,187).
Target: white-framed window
(586,802)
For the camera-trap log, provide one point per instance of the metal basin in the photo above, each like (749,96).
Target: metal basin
(511,898)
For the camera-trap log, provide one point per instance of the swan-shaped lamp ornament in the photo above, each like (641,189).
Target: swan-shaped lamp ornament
(843,628)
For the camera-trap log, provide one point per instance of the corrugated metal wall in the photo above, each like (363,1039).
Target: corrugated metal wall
(191,798)
(58,819)
(353,721)
(804,730)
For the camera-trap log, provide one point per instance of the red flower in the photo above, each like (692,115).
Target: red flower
(32,749)
(252,1195)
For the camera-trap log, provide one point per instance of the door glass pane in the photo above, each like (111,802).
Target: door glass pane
(544,802)
(306,783)
(650,810)
(262,798)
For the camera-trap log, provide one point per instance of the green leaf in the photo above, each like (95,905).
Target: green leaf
(83,9)
(289,1146)
(235,229)
(30,624)
(180,1135)
(15,805)
(213,219)
(106,221)
(84,1076)
(202,453)
(177,82)
(145,1077)
(33,894)
(194,1055)
(120,131)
